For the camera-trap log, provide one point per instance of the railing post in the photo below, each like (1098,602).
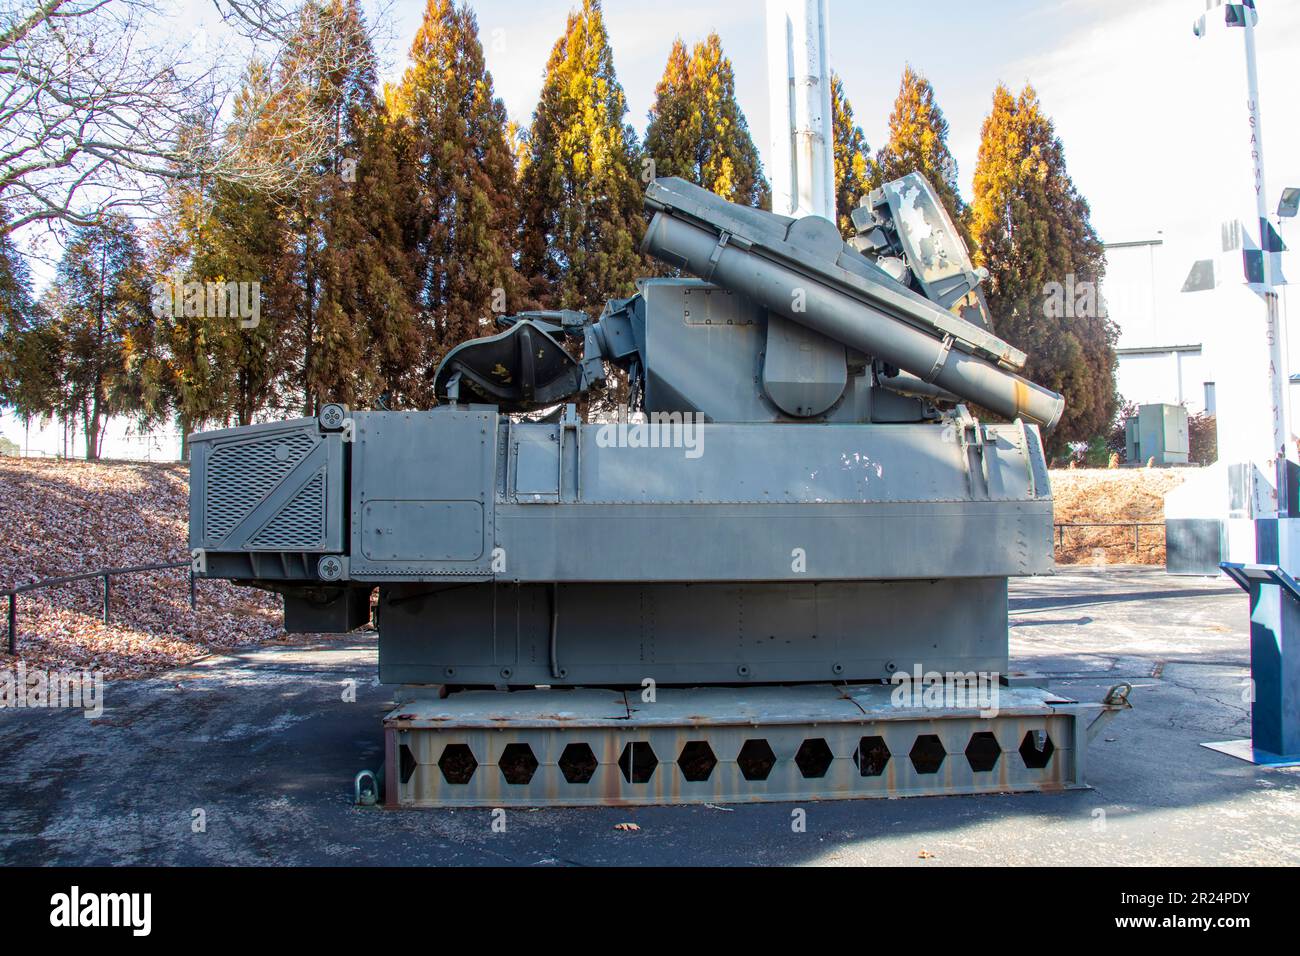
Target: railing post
(105,598)
(13,625)
(193,596)
(1137,551)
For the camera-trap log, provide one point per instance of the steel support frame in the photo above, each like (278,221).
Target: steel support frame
(818,745)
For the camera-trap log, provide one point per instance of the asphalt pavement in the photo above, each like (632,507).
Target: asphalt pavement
(249,759)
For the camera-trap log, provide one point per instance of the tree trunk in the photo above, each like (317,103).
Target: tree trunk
(309,309)
(94,416)
(245,412)
(92,436)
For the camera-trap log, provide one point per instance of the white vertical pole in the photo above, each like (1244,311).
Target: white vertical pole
(1274,660)
(801,160)
(1277,369)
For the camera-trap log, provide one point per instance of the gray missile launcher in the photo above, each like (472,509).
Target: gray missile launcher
(796,492)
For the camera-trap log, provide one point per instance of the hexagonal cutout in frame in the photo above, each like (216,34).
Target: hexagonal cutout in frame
(756,759)
(457,763)
(517,764)
(1036,749)
(697,761)
(406,763)
(927,753)
(638,762)
(871,756)
(983,751)
(813,758)
(578,763)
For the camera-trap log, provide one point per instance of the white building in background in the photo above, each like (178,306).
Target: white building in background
(1172,344)
(1160,349)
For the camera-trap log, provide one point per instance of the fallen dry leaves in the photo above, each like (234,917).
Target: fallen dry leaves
(1096,495)
(59,518)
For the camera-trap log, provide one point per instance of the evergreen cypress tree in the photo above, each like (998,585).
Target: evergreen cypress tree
(1036,240)
(376,274)
(35,388)
(100,302)
(331,256)
(852,157)
(329,342)
(262,367)
(456,133)
(31,356)
(918,142)
(195,384)
(243,234)
(582,218)
(17,310)
(697,130)
(674,139)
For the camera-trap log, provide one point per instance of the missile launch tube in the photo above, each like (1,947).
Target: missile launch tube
(846,318)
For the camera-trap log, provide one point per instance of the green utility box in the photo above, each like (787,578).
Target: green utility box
(1158,433)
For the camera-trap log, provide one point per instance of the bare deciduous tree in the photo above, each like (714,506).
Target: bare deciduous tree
(99,108)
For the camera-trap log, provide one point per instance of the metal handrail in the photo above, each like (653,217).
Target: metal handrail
(1137,527)
(106,574)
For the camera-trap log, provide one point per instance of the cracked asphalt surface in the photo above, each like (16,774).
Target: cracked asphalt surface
(262,747)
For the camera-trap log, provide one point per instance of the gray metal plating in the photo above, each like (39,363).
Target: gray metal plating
(793,495)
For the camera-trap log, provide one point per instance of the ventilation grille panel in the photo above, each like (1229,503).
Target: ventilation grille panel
(240,476)
(299,525)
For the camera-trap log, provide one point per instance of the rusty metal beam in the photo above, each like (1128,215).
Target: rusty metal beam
(723,745)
